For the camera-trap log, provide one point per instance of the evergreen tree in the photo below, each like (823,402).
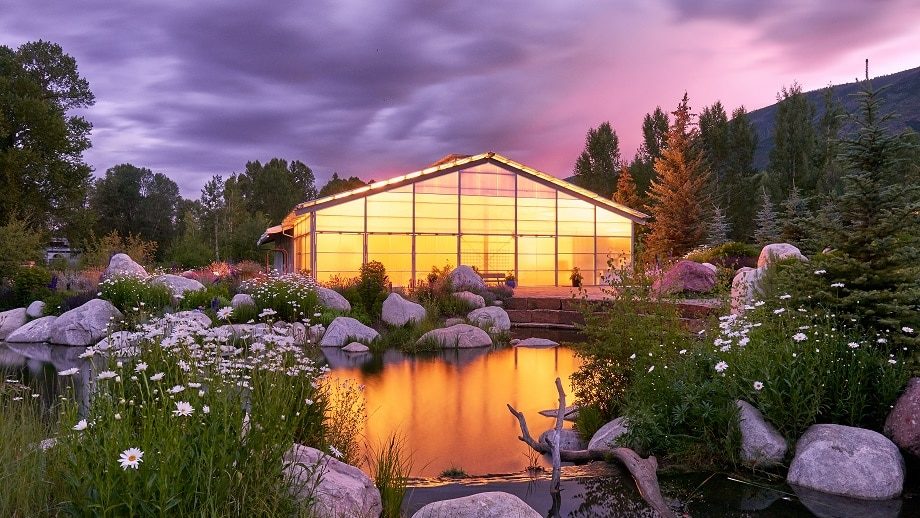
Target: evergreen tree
(597,166)
(678,192)
(794,142)
(654,140)
(336,185)
(794,228)
(767,230)
(718,229)
(714,142)
(626,193)
(212,203)
(829,167)
(740,193)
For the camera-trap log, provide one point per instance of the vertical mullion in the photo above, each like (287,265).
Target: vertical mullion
(517,275)
(556,236)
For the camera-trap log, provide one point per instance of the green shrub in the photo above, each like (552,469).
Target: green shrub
(19,243)
(589,420)
(372,287)
(731,255)
(291,296)
(132,294)
(204,298)
(30,283)
(390,465)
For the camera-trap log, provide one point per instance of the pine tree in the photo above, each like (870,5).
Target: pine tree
(718,229)
(626,193)
(794,227)
(596,168)
(678,192)
(794,144)
(740,184)
(767,230)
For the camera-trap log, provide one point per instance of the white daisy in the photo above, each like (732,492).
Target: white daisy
(721,366)
(140,367)
(157,377)
(183,408)
(69,372)
(81,425)
(104,375)
(758,386)
(131,458)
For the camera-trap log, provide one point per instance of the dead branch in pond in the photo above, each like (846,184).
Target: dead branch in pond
(643,471)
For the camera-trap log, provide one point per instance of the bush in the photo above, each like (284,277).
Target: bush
(132,294)
(28,284)
(18,244)
(732,255)
(208,297)
(99,251)
(372,287)
(291,296)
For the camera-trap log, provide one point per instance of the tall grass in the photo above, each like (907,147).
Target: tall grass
(390,465)
(25,490)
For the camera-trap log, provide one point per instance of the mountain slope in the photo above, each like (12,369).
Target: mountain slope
(902,96)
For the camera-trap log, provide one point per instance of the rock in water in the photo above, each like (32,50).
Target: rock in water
(84,325)
(903,423)
(11,320)
(686,276)
(490,504)
(460,336)
(491,316)
(356,347)
(464,278)
(122,264)
(847,461)
(569,439)
(761,444)
(331,299)
(343,330)
(38,330)
(35,309)
(475,301)
(398,311)
(337,489)
(604,439)
(535,343)
(778,252)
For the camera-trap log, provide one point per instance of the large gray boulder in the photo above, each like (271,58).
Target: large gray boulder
(461,336)
(604,439)
(38,330)
(745,288)
(242,299)
(490,504)
(177,284)
(761,443)
(356,347)
(569,439)
(489,317)
(122,264)
(332,299)
(84,325)
(474,301)
(336,489)
(343,330)
(685,276)
(535,343)
(35,309)
(398,311)
(847,461)
(11,320)
(903,423)
(464,278)
(778,252)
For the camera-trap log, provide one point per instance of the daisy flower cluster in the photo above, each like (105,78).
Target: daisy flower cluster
(288,296)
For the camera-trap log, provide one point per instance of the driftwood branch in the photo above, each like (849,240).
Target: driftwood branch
(643,471)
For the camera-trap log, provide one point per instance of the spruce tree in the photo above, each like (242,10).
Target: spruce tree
(767,230)
(626,193)
(678,192)
(740,183)
(718,229)
(794,144)
(794,227)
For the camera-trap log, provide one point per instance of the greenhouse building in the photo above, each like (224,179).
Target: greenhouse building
(485,211)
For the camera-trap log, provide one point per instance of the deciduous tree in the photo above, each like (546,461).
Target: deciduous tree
(597,166)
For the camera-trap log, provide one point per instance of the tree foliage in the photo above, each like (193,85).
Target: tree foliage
(275,187)
(597,166)
(795,141)
(626,193)
(654,140)
(336,185)
(767,230)
(41,143)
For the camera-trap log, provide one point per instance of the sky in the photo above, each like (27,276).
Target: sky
(379,88)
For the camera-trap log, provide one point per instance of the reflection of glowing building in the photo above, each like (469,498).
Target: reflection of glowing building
(485,211)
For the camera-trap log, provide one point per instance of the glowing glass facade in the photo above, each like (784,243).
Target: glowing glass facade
(489,213)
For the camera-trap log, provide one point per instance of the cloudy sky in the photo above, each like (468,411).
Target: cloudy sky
(377,88)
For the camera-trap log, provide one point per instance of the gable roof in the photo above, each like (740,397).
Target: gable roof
(462,162)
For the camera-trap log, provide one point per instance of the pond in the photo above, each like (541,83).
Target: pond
(450,409)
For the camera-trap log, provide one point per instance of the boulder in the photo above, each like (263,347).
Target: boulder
(454,321)
(462,336)
(299,333)
(903,423)
(335,488)
(38,330)
(847,461)
(356,347)
(475,301)
(685,276)
(826,505)
(569,439)
(177,284)
(535,343)
(761,443)
(35,309)
(745,287)
(343,330)
(332,299)
(712,267)
(490,504)
(315,333)
(778,252)
(490,316)
(11,320)
(122,264)
(242,299)
(603,440)
(118,341)
(398,311)
(84,325)
(464,278)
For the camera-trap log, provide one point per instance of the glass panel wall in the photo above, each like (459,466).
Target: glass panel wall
(576,251)
(338,254)
(576,217)
(536,260)
(487,201)
(536,208)
(489,254)
(390,211)
(434,251)
(302,248)
(436,205)
(395,252)
(347,217)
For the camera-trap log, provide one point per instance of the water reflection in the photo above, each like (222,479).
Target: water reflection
(36,366)
(450,406)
